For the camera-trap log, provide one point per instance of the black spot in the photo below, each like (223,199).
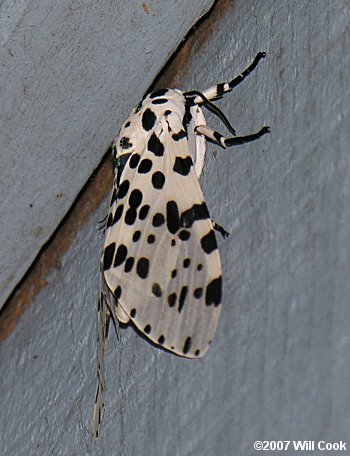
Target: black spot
(184,235)
(136,236)
(172,217)
(183,294)
(159,101)
(213,292)
(158,219)
(109,221)
(147,329)
(118,214)
(167,112)
(127,124)
(151,238)
(158,180)
(161,339)
(158,93)
(130,216)
(197,353)
(187,346)
(198,292)
(123,189)
(118,292)
(108,256)
(208,242)
(114,197)
(144,212)
(156,290)
(135,198)
(174,273)
(173,243)
(125,143)
(142,268)
(132,313)
(186,263)
(183,165)
(148,119)
(145,166)
(177,136)
(172,299)
(155,145)
(134,160)
(129,264)
(199,267)
(120,255)
(188,116)
(196,212)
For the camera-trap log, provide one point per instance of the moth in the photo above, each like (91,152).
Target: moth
(160,267)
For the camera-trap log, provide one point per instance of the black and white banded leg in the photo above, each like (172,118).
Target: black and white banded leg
(217,91)
(219,139)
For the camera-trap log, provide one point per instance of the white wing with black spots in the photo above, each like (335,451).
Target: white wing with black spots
(161,259)
(160,267)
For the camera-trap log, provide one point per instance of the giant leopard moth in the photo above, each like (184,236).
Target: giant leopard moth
(160,267)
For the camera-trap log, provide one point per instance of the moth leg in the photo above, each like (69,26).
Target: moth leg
(219,90)
(103,321)
(220,229)
(219,139)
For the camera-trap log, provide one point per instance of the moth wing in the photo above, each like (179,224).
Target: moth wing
(160,259)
